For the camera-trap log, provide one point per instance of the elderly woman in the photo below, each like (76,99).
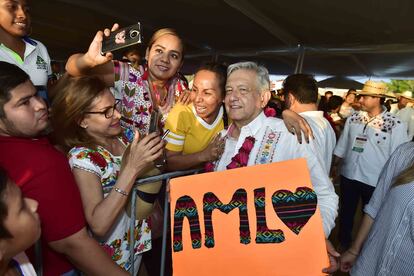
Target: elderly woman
(158,88)
(105,163)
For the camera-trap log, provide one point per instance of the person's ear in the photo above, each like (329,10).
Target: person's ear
(147,53)
(82,123)
(265,97)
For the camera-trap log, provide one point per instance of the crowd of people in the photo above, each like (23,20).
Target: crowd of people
(73,145)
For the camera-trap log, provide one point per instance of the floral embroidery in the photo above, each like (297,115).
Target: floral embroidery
(106,166)
(132,87)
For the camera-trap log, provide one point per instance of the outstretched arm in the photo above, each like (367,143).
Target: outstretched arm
(93,63)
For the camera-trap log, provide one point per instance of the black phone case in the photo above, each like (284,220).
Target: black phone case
(122,38)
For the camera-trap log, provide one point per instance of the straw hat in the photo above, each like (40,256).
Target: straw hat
(407,95)
(374,88)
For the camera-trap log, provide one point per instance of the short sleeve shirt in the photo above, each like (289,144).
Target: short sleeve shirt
(43,173)
(106,166)
(188,132)
(36,61)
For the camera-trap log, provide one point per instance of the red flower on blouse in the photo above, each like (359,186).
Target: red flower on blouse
(98,159)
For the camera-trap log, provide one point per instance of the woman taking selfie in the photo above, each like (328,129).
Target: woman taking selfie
(105,164)
(157,89)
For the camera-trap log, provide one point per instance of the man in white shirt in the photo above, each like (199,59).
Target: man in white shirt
(247,93)
(369,138)
(404,109)
(301,96)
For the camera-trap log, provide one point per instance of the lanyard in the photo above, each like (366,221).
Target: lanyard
(365,127)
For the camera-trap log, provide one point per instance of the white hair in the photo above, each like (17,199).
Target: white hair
(262,74)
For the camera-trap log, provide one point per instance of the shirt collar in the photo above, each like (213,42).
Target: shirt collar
(253,127)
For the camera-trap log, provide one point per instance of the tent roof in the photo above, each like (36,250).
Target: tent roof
(349,38)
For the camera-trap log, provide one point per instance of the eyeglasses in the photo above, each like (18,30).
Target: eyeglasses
(109,112)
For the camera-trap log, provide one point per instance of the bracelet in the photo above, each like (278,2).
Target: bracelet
(122,192)
(352,253)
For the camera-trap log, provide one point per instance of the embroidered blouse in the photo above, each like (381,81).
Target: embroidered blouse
(107,167)
(132,87)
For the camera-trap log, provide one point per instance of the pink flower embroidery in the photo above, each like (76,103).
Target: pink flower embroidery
(109,250)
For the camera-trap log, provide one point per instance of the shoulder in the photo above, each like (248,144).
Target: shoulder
(98,157)
(180,112)
(275,124)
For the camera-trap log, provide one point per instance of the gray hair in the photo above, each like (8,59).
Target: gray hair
(262,73)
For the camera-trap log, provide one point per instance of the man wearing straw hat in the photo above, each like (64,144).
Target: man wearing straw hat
(404,109)
(367,141)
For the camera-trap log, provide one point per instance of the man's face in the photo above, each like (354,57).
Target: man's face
(402,101)
(25,113)
(14,17)
(369,103)
(243,100)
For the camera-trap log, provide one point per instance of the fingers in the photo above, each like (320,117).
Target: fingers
(115,27)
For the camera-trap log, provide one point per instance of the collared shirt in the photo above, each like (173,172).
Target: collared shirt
(36,61)
(391,236)
(383,134)
(406,115)
(286,148)
(325,139)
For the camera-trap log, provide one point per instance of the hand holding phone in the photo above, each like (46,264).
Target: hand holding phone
(122,38)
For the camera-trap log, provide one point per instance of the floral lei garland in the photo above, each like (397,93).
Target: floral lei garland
(240,159)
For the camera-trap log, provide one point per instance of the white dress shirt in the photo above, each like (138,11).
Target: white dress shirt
(325,139)
(286,148)
(406,115)
(384,133)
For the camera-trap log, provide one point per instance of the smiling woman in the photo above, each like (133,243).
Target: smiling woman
(193,138)
(159,87)
(17,48)
(105,163)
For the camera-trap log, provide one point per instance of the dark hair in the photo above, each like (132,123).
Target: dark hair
(11,76)
(303,87)
(334,102)
(4,233)
(220,70)
(328,92)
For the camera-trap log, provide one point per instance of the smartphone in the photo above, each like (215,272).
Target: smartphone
(122,38)
(155,117)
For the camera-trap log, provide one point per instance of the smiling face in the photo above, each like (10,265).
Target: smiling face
(97,125)
(244,101)
(26,113)
(207,95)
(14,17)
(164,57)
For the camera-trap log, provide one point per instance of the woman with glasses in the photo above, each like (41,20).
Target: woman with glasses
(105,163)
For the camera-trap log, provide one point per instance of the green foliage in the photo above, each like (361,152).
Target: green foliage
(399,86)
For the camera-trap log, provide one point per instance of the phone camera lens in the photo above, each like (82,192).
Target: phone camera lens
(133,33)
